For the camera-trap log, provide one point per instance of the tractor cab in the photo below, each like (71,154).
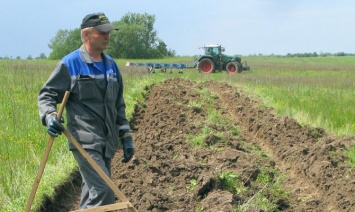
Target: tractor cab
(213,49)
(213,60)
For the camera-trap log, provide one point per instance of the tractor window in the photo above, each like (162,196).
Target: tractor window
(215,51)
(212,51)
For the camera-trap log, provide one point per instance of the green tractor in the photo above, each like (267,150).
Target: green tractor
(213,60)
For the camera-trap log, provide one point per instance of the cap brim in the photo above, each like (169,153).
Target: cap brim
(105,27)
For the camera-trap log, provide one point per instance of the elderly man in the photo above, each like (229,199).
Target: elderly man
(96,114)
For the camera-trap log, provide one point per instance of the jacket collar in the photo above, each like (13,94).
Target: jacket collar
(85,56)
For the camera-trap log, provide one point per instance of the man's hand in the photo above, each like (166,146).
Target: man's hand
(127,145)
(54,126)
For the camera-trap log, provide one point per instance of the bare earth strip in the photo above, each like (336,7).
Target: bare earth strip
(312,159)
(165,165)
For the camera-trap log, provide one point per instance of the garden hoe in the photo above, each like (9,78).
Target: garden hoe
(116,206)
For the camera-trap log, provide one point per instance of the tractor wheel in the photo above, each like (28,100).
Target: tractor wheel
(233,67)
(206,66)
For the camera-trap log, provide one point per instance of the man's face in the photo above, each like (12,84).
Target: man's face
(98,40)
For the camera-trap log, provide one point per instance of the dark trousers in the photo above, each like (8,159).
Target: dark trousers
(95,192)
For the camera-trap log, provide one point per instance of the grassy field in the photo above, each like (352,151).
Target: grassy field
(315,91)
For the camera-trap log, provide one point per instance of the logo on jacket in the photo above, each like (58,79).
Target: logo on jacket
(111,74)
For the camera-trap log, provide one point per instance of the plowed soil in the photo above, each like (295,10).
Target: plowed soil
(170,172)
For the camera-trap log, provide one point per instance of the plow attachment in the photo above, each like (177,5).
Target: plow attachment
(151,67)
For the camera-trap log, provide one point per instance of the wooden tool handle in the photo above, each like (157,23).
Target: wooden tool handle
(45,157)
(102,174)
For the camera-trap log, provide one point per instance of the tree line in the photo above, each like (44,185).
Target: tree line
(307,54)
(314,54)
(135,38)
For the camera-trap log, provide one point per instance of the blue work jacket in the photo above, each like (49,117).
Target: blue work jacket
(95,110)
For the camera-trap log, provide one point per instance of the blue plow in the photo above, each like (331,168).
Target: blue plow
(151,67)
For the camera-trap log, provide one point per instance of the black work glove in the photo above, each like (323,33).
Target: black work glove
(127,145)
(54,126)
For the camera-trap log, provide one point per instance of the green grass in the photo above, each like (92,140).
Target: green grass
(313,97)
(315,91)
(24,139)
(212,118)
(192,185)
(350,153)
(231,182)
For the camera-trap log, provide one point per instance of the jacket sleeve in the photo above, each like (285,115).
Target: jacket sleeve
(52,92)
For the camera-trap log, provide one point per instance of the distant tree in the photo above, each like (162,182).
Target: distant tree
(64,42)
(135,38)
(171,53)
(123,42)
(29,57)
(340,54)
(42,56)
(18,58)
(314,54)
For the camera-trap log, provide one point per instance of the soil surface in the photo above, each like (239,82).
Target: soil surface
(176,168)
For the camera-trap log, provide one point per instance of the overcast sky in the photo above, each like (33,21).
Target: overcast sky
(242,26)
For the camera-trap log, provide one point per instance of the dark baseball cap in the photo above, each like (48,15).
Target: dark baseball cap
(99,21)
